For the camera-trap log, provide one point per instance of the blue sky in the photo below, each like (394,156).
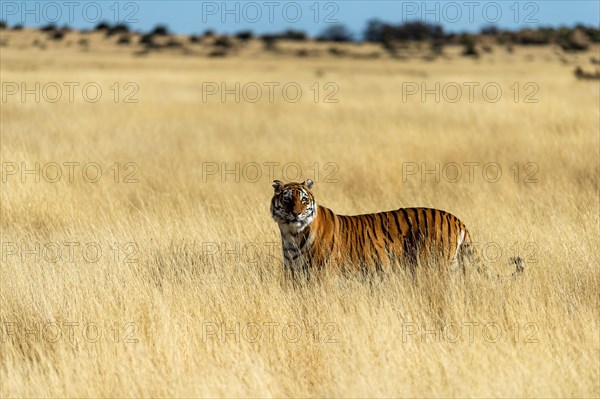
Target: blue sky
(311,16)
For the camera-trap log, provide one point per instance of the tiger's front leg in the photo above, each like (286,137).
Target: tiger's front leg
(298,268)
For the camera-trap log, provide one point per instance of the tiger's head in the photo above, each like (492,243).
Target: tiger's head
(293,204)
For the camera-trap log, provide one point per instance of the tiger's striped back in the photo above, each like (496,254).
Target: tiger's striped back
(376,240)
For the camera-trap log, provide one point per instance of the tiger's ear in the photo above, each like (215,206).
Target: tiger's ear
(278,186)
(308,183)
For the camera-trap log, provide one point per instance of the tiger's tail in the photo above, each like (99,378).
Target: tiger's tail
(468,256)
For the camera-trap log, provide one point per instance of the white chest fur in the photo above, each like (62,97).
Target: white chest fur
(296,242)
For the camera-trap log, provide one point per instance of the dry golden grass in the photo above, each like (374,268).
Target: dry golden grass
(181,303)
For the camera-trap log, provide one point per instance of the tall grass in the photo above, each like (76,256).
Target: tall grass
(188,291)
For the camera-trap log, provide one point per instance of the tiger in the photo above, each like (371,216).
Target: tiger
(313,237)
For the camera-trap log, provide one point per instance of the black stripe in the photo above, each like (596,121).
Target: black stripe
(333,232)
(448,233)
(303,241)
(374,248)
(326,213)
(419,231)
(408,244)
(385,227)
(352,237)
(435,226)
(443,234)
(407,219)
(360,230)
(395,215)
(333,217)
(371,221)
(364,230)
(356,242)
(425,217)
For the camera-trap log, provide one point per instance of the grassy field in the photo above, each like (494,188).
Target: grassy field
(162,276)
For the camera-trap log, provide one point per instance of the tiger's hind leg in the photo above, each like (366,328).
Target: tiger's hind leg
(467,257)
